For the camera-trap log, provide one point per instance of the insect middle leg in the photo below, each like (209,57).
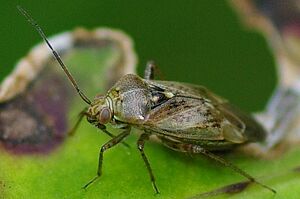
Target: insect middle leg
(193,148)
(116,140)
(149,71)
(103,129)
(141,144)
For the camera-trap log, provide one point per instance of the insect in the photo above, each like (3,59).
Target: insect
(184,117)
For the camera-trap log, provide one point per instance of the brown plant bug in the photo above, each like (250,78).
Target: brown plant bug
(184,117)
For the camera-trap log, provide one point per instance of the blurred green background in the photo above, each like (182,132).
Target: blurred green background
(200,42)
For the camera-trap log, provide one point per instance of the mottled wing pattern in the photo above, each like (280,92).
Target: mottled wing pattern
(186,118)
(196,113)
(189,90)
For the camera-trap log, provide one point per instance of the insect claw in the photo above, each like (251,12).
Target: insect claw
(267,187)
(90,182)
(155,188)
(263,185)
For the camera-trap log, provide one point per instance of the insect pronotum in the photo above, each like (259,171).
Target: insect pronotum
(184,117)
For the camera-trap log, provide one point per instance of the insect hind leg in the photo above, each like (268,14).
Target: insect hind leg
(140,145)
(192,148)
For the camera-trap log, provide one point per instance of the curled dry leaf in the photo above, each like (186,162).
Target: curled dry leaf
(35,98)
(279,21)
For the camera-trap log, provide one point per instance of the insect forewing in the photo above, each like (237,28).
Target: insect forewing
(195,113)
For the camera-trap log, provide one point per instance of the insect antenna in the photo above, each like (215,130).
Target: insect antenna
(56,55)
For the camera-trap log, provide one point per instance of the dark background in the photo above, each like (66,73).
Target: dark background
(196,41)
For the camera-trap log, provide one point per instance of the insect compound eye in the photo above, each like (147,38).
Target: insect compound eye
(104,115)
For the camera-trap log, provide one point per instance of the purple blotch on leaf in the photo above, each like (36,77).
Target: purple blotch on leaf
(36,120)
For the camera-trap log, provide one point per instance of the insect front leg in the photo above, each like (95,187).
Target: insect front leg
(140,145)
(82,113)
(101,127)
(114,141)
(192,148)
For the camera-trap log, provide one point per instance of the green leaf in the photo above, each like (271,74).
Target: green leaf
(63,172)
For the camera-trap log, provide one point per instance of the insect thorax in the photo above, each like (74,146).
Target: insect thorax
(131,99)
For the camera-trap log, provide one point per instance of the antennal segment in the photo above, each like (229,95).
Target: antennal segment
(56,55)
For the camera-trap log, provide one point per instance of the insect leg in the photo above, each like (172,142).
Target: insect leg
(82,113)
(114,141)
(103,129)
(141,144)
(192,148)
(198,149)
(149,71)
